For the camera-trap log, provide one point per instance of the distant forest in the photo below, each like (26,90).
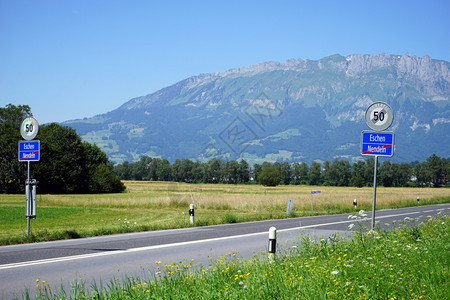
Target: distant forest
(432,172)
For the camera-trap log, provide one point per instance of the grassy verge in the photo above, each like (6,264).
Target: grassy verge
(409,262)
(163,205)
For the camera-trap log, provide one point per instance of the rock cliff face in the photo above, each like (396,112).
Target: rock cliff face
(299,110)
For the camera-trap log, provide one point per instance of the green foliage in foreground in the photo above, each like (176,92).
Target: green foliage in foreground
(409,262)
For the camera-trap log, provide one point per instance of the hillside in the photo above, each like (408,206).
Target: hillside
(300,110)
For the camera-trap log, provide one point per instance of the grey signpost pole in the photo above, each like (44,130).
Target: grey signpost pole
(374,191)
(29,199)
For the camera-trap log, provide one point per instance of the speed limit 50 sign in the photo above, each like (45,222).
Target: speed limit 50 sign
(379,116)
(29,128)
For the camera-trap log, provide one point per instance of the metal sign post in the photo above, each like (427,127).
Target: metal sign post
(30,195)
(313,192)
(374,191)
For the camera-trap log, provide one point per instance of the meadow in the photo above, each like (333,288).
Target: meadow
(163,205)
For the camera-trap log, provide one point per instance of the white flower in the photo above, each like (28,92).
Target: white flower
(334,272)
(362,213)
(350,227)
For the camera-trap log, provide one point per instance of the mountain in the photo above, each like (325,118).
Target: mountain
(300,110)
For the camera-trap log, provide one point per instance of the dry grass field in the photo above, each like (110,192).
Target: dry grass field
(163,205)
(245,198)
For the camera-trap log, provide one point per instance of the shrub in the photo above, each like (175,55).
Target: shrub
(269,176)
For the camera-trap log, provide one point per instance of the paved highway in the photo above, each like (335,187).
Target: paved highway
(113,257)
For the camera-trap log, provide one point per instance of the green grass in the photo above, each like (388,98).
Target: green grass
(165,205)
(409,262)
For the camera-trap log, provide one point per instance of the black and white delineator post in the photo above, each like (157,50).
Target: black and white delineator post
(191,213)
(272,242)
(355,203)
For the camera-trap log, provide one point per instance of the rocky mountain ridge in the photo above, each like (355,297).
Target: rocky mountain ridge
(279,106)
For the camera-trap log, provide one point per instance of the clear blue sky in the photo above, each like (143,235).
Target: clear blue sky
(79,58)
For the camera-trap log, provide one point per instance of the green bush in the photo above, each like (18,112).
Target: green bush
(269,176)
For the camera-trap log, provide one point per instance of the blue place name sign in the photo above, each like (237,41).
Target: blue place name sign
(29,150)
(377,143)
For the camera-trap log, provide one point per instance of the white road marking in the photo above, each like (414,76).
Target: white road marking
(147,248)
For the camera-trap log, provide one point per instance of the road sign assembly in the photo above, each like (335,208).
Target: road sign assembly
(312,193)
(29,150)
(379,116)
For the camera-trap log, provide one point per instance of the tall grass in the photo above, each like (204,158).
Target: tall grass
(409,262)
(164,205)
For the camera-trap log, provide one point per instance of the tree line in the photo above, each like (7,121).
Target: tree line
(69,165)
(432,172)
(66,165)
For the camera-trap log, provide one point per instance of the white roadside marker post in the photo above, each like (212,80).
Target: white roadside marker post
(272,242)
(355,203)
(290,203)
(191,213)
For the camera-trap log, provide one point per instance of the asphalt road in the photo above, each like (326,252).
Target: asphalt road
(102,259)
